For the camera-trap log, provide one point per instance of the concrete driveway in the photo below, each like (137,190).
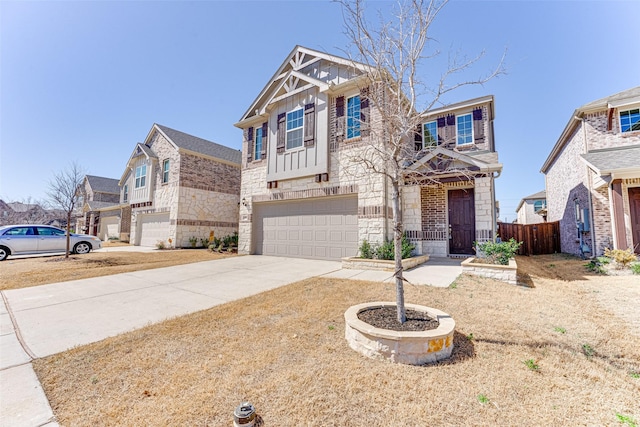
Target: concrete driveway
(44,320)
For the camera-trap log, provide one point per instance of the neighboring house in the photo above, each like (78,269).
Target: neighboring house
(177,186)
(97,193)
(532,209)
(302,196)
(593,176)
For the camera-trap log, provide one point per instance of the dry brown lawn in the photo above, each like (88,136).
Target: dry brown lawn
(285,352)
(25,272)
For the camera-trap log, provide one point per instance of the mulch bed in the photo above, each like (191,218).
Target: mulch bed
(386,318)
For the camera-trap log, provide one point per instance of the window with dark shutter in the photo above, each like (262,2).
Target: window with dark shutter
(339,120)
(478,126)
(265,140)
(340,106)
(309,125)
(442,130)
(282,131)
(250,144)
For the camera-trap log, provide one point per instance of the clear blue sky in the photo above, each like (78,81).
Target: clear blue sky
(85,80)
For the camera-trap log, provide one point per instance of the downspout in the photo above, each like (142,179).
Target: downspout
(590,198)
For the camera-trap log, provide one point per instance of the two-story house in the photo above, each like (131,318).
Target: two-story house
(304,195)
(532,209)
(178,186)
(592,176)
(97,193)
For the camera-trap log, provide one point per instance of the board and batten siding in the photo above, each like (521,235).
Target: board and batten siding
(304,160)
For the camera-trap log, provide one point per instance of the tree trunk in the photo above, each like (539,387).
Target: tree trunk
(66,254)
(397,246)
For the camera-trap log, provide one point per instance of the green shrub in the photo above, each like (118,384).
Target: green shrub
(366,251)
(386,250)
(635,268)
(497,252)
(204,242)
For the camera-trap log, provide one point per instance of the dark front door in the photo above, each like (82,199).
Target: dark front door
(462,222)
(634,205)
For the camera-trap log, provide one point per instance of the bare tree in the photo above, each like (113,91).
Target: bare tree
(395,52)
(63,193)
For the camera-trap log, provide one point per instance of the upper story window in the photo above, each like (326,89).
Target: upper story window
(430,134)
(464,126)
(353,117)
(295,121)
(141,176)
(630,120)
(538,205)
(165,171)
(257,152)
(125,193)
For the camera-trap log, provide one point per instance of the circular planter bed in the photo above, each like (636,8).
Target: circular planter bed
(408,347)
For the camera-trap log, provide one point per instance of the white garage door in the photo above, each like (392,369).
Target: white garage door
(324,228)
(153,228)
(109,227)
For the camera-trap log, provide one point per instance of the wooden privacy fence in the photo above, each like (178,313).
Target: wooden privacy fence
(537,239)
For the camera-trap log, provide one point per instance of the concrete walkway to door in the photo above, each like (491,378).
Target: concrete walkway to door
(44,320)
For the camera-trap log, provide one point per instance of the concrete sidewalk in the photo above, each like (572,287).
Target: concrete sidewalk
(44,320)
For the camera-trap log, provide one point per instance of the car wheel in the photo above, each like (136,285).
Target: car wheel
(4,253)
(82,248)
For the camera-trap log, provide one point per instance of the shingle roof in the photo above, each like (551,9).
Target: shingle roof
(202,146)
(539,195)
(604,102)
(101,184)
(611,159)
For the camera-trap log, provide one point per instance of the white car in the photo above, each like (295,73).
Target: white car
(28,239)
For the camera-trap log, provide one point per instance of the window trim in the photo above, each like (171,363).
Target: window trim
(458,136)
(141,180)
(629,110)
(542,205)
(434,137)
(257,153)
(125,195)
(165,171)
(296,129)
(355,128)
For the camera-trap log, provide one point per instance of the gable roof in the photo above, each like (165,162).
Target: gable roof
(535,196)
(289,74)
(198,145)
(620,99)
(614,160)
(93,205)
(100,184)
(457,159)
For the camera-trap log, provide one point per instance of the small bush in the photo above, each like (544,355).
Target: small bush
(366,251)
(635,268)
(497,252)
(595,267)
(622,257)
(160,244)
(193,240)
(204,242)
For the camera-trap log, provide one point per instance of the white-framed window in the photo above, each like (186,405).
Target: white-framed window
(430,134)
(257,151)
(165,171)
(353,117)
(538,205)
(141,176)
(295,129)
(464,127)
(630,120)
(125,195)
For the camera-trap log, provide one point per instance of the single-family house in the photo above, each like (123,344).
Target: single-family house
(177,186)
(99,207)
(303,195)
(532,209)
(592,176)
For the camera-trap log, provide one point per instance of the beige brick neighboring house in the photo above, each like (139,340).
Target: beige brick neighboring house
(592,176)
(302,193)
(97,193)
(178,186)
(532,209)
